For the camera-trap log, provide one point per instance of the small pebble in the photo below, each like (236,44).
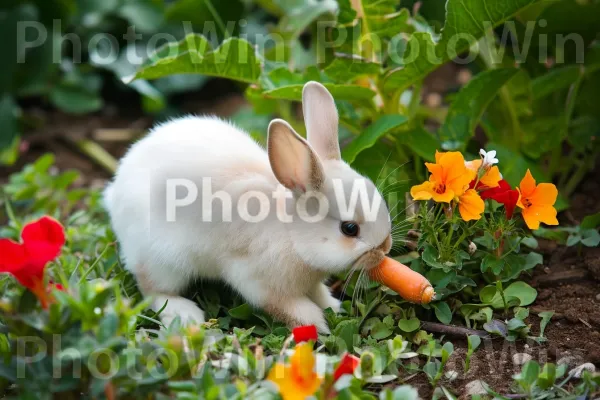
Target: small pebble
(475,388)
(451,375)
(578,371)
(567,360)
(521,358)
(598,297)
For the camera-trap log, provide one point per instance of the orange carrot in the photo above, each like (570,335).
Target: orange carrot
(409,284)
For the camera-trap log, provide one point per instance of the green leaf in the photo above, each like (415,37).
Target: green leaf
(421,141)
(346,13)
(299,14)
(409,325)
(468,106)
(380,331)
(547,377)
(381,18)
(234,59)
(554,80)
(75,99)
(243,312)
(533,259)
(590,237)
(473,342)
(522,291)
(545,316)
(347,330)
(339,92)
(8,120)
(405,392)
(496,327)
(368,138)
(443,312)
(345,69)
(464,20)
(529,373)
(490,261)
(145,15)
(421,51)
(591,221)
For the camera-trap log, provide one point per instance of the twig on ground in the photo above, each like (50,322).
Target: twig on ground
(567,276)
(116,135)
(452,330)
(96,152)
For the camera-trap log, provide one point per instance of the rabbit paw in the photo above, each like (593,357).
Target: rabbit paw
(187,311)
(323,298)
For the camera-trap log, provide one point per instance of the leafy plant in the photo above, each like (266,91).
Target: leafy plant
(473,342)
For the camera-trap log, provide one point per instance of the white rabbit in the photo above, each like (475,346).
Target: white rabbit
(276,261)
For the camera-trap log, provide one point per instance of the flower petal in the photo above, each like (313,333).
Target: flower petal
(305,333)
(544,194)
(43,240)
(12,256)
(470,205)
(347,366)
(473,165)
(303,362)
(423,191)
(445,197)
(527,185)
(491,177)
(535,214)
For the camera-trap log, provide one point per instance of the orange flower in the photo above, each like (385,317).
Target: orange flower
(470,205)
(537,202)
(449,178)
(491,176)
(298,380)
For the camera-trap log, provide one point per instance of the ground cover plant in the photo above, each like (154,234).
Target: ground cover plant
(477,176)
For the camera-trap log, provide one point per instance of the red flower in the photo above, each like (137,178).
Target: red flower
(41,242)
(305,333)
(503,194)
(346,366)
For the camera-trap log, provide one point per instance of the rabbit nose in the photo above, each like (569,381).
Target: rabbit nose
(386,245)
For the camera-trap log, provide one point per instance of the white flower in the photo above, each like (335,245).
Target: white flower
(489,158)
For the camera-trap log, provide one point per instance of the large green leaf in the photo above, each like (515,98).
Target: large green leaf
(344,69)
(464,25)
(339,92)
(381,18)
(368,138)
(469,105)
(299,14)
(554,80)
(75,99)
(421,141)
(234,59)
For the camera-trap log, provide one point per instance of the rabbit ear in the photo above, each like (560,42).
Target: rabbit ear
(321,119)
(294,163)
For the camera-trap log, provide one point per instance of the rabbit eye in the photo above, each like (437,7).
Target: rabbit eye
(349,228)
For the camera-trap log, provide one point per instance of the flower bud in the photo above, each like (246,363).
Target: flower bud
(367,361)
(472,248)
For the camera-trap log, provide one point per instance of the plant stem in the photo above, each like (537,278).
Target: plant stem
(577,177)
